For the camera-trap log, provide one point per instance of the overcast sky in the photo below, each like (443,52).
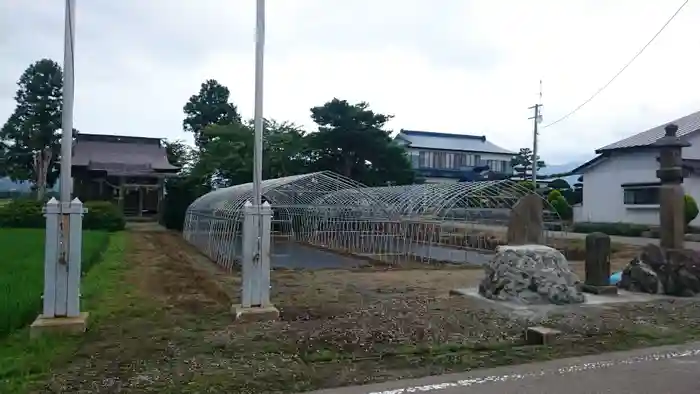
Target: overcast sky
(455,66)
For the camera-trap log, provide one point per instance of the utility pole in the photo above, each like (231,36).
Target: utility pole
(537,119)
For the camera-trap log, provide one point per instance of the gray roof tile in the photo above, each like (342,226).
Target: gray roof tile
(127,156)
(686,125)
(461,142)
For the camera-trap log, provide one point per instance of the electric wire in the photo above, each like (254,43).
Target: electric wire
(621,70)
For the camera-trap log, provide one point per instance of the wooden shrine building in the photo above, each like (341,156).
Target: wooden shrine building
(129,171)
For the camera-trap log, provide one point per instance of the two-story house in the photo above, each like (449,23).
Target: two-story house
(443,157)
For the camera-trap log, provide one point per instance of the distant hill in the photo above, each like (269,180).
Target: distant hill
(563,168)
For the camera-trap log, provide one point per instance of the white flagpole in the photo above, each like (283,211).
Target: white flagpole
(258,117)
(68,97)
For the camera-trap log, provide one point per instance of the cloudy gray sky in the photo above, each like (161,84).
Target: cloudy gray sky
(460,66)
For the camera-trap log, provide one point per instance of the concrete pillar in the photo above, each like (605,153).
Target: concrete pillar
(61,298)
(255,292)
(671,204)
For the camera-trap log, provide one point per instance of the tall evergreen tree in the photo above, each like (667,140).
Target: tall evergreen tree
(31,135)
(208,107)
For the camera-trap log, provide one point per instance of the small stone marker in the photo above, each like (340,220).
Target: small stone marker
(540,335)
(525,226)
(597,266)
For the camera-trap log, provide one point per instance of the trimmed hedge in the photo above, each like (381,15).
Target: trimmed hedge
(27,213)
(622,229)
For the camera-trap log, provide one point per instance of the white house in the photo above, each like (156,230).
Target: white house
(443,157)
(620,184)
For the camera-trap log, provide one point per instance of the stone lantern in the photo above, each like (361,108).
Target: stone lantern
(670,173)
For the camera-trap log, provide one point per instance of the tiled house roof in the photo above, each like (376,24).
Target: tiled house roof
(121,155)
(686,125)
(445,141)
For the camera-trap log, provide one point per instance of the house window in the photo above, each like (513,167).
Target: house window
(496,165)
(459,160)
(424,159)
(641,194)
(439,160)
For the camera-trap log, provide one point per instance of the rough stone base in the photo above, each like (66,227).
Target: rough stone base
(254,314)
(540,335)
(58,325)
(601,290)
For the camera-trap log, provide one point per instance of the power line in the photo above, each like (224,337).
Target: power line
(622,69)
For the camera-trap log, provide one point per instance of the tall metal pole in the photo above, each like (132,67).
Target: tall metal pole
(258,119)
(68,97)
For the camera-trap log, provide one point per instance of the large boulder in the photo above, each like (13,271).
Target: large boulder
(673,272)
(530,274)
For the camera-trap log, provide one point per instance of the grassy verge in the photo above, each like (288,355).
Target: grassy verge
(23,361)
(22,272)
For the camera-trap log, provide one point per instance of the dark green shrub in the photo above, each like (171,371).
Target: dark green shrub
(562,207)
(690,208)
(103,215)
(621,229)
(27,213)
(180,193)
(22,213)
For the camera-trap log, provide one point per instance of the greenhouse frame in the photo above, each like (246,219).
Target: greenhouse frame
(326,211)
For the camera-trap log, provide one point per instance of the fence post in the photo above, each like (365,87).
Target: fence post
(266,234)
(61,298)
(250,233)
(76,212)
(52,211)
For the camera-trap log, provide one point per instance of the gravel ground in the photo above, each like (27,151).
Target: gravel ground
(337,328)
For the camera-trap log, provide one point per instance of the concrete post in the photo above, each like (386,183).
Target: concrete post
(61,298)
(670,173)
(255,292)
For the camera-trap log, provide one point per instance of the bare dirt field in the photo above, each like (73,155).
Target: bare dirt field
(173,331)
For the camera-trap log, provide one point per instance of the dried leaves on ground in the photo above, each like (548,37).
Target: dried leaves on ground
(174,331)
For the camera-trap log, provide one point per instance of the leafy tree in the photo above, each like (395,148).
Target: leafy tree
(559,184)
(228,156)
(209,107)
(351,141)
(31,137)
(522,162)
(284,149)
(179,153)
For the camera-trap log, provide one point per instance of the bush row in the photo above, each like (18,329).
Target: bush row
(27,213)
(621,229)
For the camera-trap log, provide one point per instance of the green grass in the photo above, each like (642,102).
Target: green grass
(24,361)
(22,272)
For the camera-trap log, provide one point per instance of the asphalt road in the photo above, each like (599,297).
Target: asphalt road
(664,370)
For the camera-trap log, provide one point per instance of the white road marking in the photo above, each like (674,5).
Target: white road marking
(560,371)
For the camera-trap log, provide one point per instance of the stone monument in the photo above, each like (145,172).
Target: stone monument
(525,225)
(597,266)
(530,274)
